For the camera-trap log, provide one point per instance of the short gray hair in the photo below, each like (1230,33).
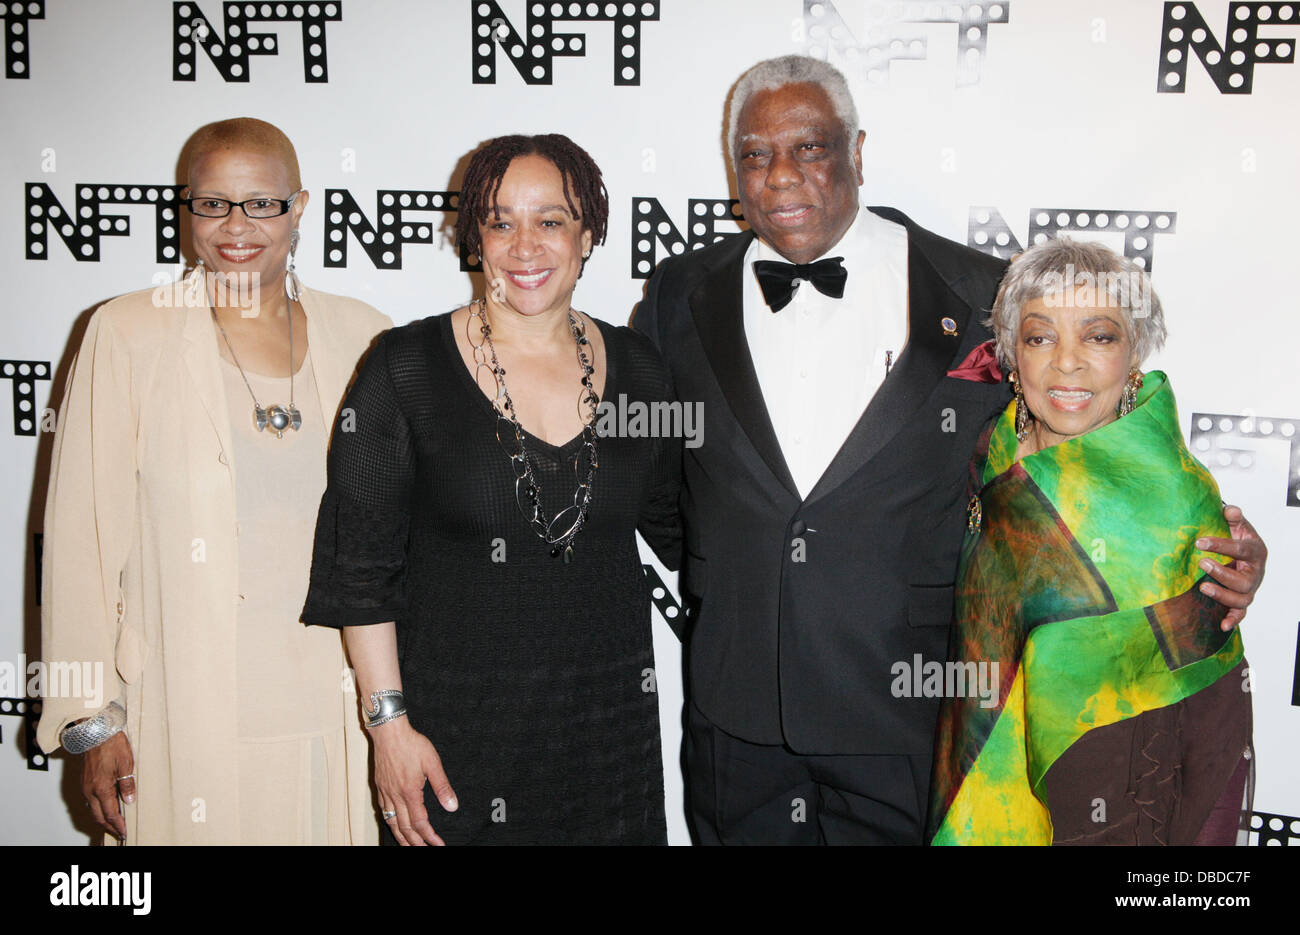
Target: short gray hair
(792,69)
(1061,264)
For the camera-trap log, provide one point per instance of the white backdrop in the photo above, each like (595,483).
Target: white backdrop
(989,123)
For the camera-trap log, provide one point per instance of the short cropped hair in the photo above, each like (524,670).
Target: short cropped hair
(775,73)
(246,133)
(1060,265)
(487,167)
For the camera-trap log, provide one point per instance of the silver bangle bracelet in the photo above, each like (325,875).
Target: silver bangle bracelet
(86,735)
(385,706)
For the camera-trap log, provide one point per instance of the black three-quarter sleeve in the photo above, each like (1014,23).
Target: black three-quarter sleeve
(660,519)
(359,559)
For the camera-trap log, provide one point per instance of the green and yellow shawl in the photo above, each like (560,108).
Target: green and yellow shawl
(1079,578)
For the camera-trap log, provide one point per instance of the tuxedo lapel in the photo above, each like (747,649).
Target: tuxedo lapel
(716,306)
(924,362)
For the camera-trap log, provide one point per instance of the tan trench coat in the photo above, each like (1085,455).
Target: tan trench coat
(140,574)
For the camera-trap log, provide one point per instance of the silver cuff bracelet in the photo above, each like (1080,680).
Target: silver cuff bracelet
(85,735)
(385,706)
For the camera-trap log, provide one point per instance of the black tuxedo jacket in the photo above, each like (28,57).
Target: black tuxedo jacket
(800,608)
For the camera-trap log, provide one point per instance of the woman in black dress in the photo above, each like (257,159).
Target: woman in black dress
(477,537)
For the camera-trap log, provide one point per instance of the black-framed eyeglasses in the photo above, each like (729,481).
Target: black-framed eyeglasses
(259,208)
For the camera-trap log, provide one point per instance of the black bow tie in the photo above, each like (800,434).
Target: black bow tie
(777,280)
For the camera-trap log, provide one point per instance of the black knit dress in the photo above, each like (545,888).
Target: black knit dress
(533,678)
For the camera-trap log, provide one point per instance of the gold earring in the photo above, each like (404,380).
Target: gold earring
(1023,417)
(1128,399)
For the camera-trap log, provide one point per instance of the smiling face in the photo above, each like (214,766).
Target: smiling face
(532,252)
(1073,360)
(236,243)
(797,172)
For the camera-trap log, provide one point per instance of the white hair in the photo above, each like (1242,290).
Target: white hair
(1059,264)
(776,73)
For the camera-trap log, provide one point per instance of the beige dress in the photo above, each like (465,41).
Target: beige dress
(242,722)
(288,726)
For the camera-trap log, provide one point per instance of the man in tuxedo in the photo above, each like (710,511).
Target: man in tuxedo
(824,512)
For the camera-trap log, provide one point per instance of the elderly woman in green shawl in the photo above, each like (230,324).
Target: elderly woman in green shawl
(1123,713)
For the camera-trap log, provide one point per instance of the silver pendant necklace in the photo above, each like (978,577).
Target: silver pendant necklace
(277,417)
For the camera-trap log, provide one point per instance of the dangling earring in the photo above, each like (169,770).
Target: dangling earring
(1128,399)
(1023,418)
(291,287)
(197,293)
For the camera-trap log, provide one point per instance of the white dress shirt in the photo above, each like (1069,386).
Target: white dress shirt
(820,360)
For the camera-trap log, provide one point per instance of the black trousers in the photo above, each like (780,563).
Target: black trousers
(739,792)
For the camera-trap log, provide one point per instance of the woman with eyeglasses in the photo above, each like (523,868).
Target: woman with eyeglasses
(188,465)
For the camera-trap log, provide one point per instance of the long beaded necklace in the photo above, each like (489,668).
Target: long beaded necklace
(510,435)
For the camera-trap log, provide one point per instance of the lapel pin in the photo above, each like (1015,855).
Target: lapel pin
(949,326)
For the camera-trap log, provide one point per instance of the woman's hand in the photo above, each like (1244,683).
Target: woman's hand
(1239,580)
(404,759)
(108,771)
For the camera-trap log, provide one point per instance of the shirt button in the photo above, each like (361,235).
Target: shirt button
(221,456)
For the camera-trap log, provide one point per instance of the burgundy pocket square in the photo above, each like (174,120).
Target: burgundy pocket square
(980,365)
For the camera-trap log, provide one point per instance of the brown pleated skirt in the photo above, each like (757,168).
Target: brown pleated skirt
(1176,775)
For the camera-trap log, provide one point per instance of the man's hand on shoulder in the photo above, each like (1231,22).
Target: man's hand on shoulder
(1235,583)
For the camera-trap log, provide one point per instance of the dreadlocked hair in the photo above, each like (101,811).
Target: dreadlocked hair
(487,167)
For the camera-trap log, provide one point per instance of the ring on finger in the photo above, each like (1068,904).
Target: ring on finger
(389,816)
(126,777)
